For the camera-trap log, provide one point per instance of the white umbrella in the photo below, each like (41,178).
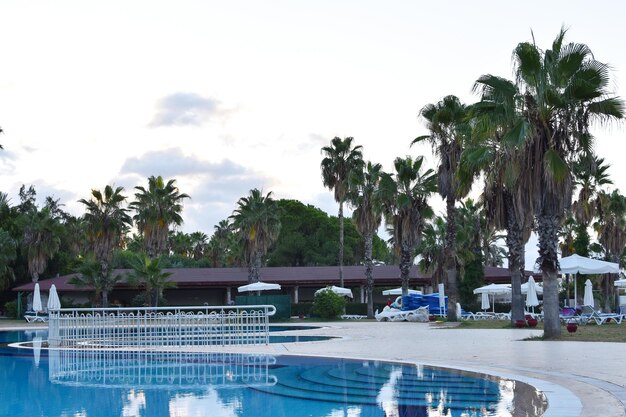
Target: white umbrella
(337,290)
(588,297)
(531,295)
(442,299)
(53,299)
(538,288)
(398,291)
(37,306)
(258,286)
(493,289)
(484,301)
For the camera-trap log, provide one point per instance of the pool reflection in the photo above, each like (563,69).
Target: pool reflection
(157,370)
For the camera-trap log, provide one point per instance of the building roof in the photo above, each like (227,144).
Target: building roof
(287,276)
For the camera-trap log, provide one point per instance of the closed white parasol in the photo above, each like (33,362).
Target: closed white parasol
(53,299)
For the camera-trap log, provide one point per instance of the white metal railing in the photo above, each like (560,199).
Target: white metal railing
(158,370)
(159,326)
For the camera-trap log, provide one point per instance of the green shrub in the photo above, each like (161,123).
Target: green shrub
(10,309)
(301,309)
(328,305)
(361,308)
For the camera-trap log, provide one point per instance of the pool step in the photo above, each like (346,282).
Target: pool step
(348,384)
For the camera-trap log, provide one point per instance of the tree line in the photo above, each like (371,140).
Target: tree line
(528,142)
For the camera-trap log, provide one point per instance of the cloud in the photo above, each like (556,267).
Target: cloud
(173,163)
(214,187)
(184,109)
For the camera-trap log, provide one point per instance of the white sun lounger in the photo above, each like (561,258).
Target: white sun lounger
(391,314)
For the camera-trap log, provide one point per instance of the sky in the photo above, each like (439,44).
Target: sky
(229,96)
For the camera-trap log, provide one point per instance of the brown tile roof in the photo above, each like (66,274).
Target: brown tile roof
(289,276)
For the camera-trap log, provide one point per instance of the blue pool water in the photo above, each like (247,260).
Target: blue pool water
(72,383)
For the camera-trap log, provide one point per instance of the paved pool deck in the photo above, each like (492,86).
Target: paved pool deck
(586,379)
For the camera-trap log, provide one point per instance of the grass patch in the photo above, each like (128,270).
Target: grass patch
(611,332)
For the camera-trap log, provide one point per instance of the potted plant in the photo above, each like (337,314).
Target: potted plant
(532,322)
(520,323)
(571,326)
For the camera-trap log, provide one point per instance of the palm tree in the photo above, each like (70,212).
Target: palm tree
(339,162)
(447,122)
(367,217)
(156,209)
(7,256)
(432,252)
(611,230)
(199,244)
(41,241)
(148,273)
(89,274)
(404,198)
(498,125)
(220,241)
(107,222)
(589,175)
(257,222)
(561,91)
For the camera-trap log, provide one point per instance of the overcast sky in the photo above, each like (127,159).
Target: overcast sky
(229,96)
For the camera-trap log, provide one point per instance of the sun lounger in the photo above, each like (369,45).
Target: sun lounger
(353,316)
(32,317)
(600,318)
(391,314)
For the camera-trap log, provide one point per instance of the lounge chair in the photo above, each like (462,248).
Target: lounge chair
(600,318)
(392,314)
(34,317)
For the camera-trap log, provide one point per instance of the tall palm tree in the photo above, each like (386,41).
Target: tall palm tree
(589,175)
(257,222)
(497,127)
(431,250)
(367,217)
(448,124)
(611,230)
(221,237)
(340,160)
(404,198)
(148,273)
(41,240)
(107,223)
(157,208)
(562,90)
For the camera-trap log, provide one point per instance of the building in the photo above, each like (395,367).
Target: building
(218,286)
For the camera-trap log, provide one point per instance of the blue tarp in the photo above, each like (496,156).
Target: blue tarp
(415,301)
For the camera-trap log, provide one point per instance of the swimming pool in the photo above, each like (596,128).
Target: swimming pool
(175,384)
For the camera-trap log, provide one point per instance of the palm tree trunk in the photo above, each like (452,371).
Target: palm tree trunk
(516,262)
(341,243)
(105,298)
(369,274)
(450,250)
(258,257)
(547,230)
(406,258)
(104,275)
